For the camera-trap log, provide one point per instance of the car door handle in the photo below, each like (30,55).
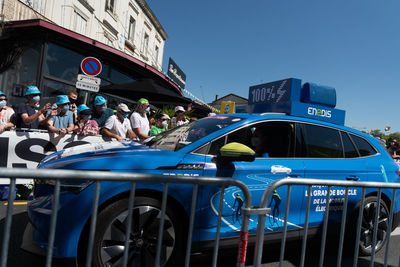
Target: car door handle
(352,178)
(293,176)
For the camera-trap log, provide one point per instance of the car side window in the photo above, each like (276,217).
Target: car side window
(216,145)
(349,149)
(364,148)
(322,142)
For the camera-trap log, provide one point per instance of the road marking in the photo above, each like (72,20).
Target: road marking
(396,231)
(17,203)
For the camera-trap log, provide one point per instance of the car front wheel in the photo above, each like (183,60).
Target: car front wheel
(109,243)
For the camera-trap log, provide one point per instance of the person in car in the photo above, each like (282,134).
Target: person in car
(85,125)
(101,112)
(259,142)
(161,124)
(139,121)
(118,125)
(61,120)
(6,113)
(29,114)
(179,118)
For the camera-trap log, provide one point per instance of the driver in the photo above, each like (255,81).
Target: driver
(259,142)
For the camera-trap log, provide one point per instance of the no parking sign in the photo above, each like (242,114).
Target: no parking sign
(91,66)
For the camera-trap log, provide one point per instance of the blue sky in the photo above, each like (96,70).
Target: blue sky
(225,46)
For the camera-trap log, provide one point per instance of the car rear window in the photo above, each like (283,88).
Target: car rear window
(364,148)
(350,151)
(322,142)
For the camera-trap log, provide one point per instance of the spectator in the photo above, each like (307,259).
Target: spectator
(73,98)
(101,113)
(61,120)
(139,122)
(28,114)
(118,126)
(6,113)
(179,118)
(394,150)
(161,124)
(84,124)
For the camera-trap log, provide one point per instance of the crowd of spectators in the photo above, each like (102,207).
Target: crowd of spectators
(66,116)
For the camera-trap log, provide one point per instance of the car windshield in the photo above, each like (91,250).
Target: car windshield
(184,135)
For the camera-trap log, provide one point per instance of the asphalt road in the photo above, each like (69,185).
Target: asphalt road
(18,257)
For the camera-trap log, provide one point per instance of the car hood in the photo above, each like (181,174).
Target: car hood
(111,155)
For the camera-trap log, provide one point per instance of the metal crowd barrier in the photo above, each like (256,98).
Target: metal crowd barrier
(290,182)
(99,176)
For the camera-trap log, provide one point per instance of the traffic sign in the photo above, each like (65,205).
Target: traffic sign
(91,66)
(87,86)
(88,79)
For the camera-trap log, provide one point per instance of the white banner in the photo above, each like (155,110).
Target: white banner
(25,149)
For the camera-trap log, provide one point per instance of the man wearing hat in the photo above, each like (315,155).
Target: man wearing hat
(100,112)
(28,114)
(6,113)
(118,126)
(139,122)
(61,120)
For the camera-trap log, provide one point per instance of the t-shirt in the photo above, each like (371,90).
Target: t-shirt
(140,121)
(117,127)
(175,123)
(102,118)
(25,108)
(155,130)
(63,121)
(5,115)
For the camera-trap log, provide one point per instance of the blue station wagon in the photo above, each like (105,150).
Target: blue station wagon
(300,142)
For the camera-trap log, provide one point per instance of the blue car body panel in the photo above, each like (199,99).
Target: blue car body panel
(75,208)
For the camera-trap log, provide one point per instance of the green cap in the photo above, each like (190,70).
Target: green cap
(142,101)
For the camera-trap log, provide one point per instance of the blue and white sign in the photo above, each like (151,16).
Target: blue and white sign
(288,96)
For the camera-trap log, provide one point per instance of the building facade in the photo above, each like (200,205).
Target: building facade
(127,25)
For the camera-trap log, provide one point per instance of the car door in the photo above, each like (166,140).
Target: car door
(257,175)
(330,154)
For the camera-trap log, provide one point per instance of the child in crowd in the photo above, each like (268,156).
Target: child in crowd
(85,125)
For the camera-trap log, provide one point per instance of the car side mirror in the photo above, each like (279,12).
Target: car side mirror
(235,152)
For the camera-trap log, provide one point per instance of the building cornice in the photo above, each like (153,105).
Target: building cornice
(149,13)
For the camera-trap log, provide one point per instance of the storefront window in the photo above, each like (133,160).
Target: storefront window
(62,63)
(18,68)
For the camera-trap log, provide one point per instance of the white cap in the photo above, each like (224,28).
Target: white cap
(165,116)
(123,107)
(179,108)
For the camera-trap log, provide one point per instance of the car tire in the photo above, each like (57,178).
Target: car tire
(367,225)
(110,235)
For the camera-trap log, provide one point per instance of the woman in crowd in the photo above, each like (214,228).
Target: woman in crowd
(84,124)
(179,118)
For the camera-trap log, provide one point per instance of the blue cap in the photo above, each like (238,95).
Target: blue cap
(82,108)
(1,93)
(62,99)
(32,90)
(99,100)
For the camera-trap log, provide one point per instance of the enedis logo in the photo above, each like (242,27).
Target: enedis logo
(319,112)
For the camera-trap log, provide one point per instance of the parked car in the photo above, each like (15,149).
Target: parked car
(290,146)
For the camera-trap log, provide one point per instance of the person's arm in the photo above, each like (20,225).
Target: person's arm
(70,128)
(107,132)
(131,135)
(51,128)
(140,134)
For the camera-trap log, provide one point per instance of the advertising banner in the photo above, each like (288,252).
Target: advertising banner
(176,74)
